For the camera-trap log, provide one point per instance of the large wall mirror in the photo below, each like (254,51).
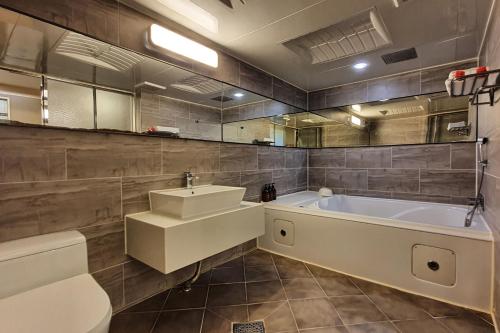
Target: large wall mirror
(433,118)
(50,76)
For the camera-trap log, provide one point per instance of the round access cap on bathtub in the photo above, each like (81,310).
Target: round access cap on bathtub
(76,305)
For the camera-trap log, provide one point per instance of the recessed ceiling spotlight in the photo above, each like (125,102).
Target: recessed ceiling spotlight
(383,100)
(356,107)
(360,65)
(238,94)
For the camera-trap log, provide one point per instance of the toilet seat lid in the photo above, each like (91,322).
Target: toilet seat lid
(76,305)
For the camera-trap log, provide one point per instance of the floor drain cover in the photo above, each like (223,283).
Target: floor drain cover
(253,327)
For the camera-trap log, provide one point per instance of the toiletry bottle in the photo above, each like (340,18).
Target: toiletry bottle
(273,192)
(266,193)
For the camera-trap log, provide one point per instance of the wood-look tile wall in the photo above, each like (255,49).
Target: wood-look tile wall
(118,24)
(437,172)
(489,126)
(423,81)
(55,179)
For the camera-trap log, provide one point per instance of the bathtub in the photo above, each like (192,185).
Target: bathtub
(418,247)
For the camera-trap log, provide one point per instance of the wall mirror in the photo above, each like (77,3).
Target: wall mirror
(432,118)
(50,76)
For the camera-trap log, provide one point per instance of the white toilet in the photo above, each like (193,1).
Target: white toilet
(45,287)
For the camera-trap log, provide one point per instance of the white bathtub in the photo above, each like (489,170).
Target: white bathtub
(387,241)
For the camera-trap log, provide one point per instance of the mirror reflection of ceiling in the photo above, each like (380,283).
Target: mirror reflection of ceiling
(334,35)
(31,45)
(409,107)
(415,106)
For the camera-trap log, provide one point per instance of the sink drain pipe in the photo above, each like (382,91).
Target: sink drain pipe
(189,283)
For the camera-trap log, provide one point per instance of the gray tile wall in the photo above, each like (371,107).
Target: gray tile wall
(489,126)
(401,85)
(55,179)
(121,25)
(437,172)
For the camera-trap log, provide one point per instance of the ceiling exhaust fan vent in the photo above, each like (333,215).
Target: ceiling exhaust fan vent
(198,84)
(358,34)
(96,53)
(398,56)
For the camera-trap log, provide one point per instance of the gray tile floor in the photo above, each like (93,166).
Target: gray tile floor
(290,296)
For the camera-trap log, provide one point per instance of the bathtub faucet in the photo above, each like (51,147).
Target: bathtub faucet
(189,179)
(476,202)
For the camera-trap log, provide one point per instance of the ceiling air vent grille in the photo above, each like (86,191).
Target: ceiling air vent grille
(97,53)
(358,34)
(403,55)
(198,84)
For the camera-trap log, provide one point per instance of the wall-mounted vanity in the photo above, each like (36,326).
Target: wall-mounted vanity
(185,226)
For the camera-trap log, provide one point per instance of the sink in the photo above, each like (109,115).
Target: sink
(200,200)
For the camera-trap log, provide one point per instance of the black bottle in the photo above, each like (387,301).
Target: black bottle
(273,192)
(266,193)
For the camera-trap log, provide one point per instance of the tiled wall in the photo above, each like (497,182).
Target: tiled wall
(121,25)
(423,81)
(194,121)
(438,172)
(56,179)
(489,126)
(266,108)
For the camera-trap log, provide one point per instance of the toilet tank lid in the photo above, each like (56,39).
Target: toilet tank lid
(37,244)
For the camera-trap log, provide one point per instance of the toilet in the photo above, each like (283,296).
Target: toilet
(45,287)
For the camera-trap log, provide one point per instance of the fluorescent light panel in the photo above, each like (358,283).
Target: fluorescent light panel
(186,47)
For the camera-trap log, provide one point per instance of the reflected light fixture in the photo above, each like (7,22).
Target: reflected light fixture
(355,120)
(169,40)
(356,107)
(238,94)
(360,65)
(194,13)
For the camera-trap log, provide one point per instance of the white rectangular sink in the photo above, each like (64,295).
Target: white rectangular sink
(167,243)
(198,201)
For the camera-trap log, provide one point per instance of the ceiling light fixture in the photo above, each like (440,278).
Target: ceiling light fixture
(194,13)
(355,120)
(360,65)
(238,94)
(169,40)
(356,107)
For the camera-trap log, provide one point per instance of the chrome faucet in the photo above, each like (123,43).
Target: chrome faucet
(189,179)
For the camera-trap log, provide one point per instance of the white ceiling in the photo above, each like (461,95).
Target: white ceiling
(442,31)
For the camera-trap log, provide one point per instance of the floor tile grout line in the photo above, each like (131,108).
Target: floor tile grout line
(444,326)
(157,319)
(205,303)
(246,290)
(324,292)
(369,298)
(287,300)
